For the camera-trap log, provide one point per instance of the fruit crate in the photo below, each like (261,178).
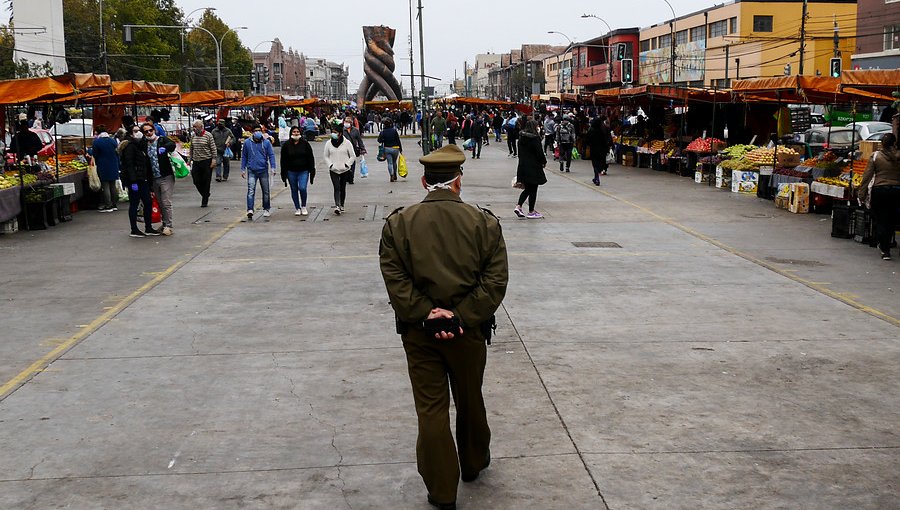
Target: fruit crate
(40,195)
(862,228)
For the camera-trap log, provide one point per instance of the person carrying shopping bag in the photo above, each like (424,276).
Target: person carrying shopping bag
(340,158)
(390,138)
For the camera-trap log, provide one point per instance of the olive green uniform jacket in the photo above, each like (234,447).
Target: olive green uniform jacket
(447,254)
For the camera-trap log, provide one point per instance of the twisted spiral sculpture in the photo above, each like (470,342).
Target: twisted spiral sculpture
(379,66)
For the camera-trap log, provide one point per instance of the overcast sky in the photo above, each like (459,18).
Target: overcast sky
(455,31)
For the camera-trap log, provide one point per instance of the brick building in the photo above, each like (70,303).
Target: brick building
(878,35)
(287,70)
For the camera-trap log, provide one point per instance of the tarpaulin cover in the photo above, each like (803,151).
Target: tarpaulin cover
(878,81)
(66,87)
(211,97)
(138,92)
(795,89)
(387,105)
(258,101)
(314,101)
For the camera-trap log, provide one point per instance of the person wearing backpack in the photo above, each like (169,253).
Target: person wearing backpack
(565,136)
(512,135)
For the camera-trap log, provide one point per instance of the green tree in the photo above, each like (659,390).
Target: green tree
(236,61)
(7,45)
(126,61)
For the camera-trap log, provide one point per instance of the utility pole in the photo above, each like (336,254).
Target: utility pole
(803,36)
(426,128)
(727,48)
(412,69)
(103,42)
(837,47)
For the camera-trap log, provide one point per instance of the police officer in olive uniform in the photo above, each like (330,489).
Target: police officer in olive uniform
(445,268)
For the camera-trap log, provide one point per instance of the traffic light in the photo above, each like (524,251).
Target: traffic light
(835,68)
(127,35)
(627,71)
(253,84)
(266,74)
(620,51)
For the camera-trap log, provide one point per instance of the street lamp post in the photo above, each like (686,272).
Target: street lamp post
(608,43)
(672,26)
(219,43)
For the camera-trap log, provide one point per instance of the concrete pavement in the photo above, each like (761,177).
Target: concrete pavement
(726,355)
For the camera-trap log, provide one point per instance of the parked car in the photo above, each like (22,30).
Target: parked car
(839,140)
(174,128)
(876,137)
(866,129)
(816,120)
(49,148)
(75,127)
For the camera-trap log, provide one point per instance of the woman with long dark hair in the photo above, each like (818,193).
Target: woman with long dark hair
(530,173)
(136,178)
(298,167)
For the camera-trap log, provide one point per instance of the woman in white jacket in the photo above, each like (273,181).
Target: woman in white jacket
(339,156)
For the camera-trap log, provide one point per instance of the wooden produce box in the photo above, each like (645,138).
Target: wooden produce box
(71,144)
(787,160)
(869,147)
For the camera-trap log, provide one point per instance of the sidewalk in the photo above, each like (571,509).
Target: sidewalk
(726,355)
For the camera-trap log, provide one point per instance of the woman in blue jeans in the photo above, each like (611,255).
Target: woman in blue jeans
(390,138)
(298,165)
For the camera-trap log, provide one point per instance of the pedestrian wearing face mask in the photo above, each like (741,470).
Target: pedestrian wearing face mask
(257,156)
(163,182)
(203,160)
(339,157)
(352,135)
(223,137)
(298,166)
(136,176)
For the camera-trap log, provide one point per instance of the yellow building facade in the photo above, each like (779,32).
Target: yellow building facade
(747,39)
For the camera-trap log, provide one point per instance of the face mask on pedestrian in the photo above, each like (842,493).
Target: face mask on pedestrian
(346,125)
(295,138)
(137,135)
(335,136)
(199,131)
(257,135)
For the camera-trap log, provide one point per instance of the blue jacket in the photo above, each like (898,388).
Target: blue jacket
(257,156)
(106,158)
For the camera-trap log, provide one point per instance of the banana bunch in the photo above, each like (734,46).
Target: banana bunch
(834,181)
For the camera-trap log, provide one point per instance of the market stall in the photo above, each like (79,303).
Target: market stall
(42,188)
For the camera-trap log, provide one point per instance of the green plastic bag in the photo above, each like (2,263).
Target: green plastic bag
(179,166)
(575,154)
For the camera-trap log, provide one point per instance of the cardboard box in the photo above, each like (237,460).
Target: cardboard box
(783,198)
(787,160)
(628,159)
(744,182)
(799,198)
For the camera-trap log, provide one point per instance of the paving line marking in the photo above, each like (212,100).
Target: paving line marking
(87,329)
(846,298)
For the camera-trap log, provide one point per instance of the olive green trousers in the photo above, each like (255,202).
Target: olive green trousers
(437,368)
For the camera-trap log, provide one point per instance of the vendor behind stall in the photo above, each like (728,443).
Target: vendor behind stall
(25,142)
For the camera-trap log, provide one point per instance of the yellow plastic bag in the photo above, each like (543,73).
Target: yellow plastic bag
(402,171)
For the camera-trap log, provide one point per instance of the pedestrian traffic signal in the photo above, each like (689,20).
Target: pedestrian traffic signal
(835,68)
(627,71)
(620,51)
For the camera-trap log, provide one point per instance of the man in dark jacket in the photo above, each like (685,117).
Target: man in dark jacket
(599,141)
(25,142)
(223,138)
(163,182)
(136,177)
